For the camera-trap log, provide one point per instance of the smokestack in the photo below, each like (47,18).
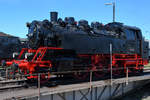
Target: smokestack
(54,16)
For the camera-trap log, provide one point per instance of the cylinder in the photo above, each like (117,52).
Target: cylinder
(54,16)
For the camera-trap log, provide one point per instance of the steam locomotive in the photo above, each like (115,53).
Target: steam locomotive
(70,46)
(9,44)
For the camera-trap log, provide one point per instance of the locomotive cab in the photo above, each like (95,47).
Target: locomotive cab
(134,41)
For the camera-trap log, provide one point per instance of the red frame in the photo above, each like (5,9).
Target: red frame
(99,61)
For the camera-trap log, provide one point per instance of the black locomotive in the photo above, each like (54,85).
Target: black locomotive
(9,44)
(67,45)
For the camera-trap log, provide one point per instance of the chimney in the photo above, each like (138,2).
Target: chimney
(54,16)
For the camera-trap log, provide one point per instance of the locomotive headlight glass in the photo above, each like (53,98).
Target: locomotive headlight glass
(27,55)
(31,34)
(35,29)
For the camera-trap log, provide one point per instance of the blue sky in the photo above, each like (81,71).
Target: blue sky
(15,13)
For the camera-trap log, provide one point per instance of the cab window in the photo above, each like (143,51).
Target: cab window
(130,34)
